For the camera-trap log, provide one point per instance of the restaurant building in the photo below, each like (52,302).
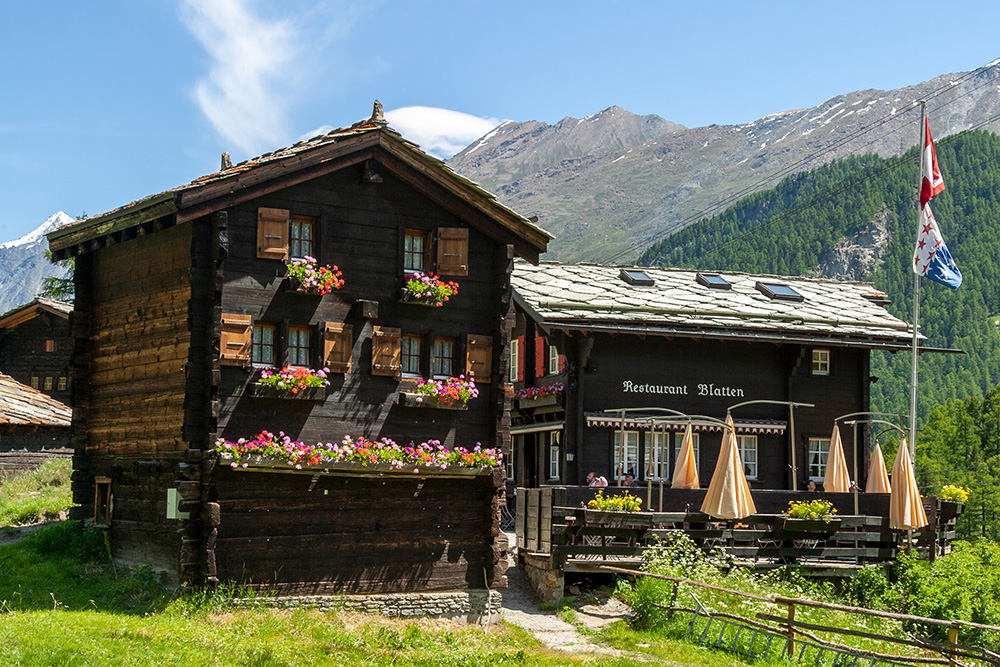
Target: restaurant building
(591,341)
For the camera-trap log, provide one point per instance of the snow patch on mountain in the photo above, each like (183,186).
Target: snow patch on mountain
(53,222)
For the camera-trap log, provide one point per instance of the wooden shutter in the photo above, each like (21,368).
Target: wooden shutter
(479,356)
(520,359)
(387,350)
(541,362)
(338,342)
(562,363)
(272,233)
(453,251)
(237,338)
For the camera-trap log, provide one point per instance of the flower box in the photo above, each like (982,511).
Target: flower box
(354,468)
(789,528)
(412,400)
(307,394)
(950,509)
(619,519)
(406,297)
(539,401)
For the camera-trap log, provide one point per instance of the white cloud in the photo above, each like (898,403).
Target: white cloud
(440,132)
(246,92)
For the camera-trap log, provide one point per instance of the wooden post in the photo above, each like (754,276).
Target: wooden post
(673,600)
(791,629)
(953,640)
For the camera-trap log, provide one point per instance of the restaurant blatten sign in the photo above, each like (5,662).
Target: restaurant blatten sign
(701,389)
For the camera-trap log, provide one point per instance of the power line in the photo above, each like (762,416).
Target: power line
(795,167)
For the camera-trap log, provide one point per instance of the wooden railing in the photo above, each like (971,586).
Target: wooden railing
(574,535)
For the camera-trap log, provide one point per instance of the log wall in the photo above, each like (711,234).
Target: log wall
(305,534)
(23,354)
(24,448)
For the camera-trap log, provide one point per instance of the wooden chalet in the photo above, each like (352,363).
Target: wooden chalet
(656,340)
(36,346)
(33,426)
(182,299)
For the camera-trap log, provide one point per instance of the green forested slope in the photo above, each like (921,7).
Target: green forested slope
(787,230)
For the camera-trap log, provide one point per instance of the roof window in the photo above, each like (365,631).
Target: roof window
(778,291)
(636,277)
(713,280)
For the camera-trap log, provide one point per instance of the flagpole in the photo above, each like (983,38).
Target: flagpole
(916,296)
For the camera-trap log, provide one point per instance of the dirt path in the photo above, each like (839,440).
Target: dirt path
(521,608)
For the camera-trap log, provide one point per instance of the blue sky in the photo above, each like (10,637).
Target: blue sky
(105,102)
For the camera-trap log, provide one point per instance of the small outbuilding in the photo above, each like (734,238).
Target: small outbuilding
(186,301)
(36,346)
(33,427)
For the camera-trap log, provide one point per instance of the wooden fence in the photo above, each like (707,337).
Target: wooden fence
(576,537)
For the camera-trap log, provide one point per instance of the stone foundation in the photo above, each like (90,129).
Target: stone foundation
(547,582)
(474,606)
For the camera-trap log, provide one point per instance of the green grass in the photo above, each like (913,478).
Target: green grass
(36,495)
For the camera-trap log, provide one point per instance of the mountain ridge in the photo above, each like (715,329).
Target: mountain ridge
(25,266)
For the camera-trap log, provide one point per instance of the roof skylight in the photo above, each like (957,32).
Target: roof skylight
(713,280)
(636,277)
(779,291)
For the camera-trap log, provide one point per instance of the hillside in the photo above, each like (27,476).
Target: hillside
(23,265)
(611,184)
(813,223)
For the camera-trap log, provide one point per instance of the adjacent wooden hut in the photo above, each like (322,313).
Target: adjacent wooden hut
(36,346)
(183,300)
(693,343)
(33,427)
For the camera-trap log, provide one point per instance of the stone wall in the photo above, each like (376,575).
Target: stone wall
(472,606)
(547,581)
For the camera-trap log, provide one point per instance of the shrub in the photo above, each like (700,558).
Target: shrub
(814,510)
(958,494)
(625,502)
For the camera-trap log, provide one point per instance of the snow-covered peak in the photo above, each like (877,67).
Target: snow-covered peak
(53,222)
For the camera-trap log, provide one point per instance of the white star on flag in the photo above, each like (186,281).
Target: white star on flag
(931,257)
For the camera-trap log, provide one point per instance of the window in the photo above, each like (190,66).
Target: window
(516,445)
(821,362)
(48,384)
(713,280)
(553,360)
(262,352)
(415,250)
(748,454)
(819,449)
(34,382)
(514,354)
(778,291)
(410,355)
(63,384)
(50,345)
(695,447)
(635,277)
(443,356)
(298,346)
(631,454)
(300,236)
(657,455)
(102,501)
(554,454)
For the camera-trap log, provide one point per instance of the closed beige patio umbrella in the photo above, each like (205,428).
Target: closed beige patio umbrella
(837,479)
(906,510)
(878,479)
(728,494)
(686,470)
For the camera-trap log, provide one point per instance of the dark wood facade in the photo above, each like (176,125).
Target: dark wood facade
(33,427)
(641,353)
(168,292)
(36,346)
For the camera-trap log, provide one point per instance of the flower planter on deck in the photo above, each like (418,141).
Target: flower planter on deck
(789,528)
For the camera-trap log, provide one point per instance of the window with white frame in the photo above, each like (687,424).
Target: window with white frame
(631,454)
(679,441)
(555,454)
(512,376)
(657,452)
(820,361)
(553,360)
(748,454)
(517,444)
(819,449)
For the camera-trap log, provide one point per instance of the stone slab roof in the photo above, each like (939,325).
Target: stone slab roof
(20,405)
(594,297)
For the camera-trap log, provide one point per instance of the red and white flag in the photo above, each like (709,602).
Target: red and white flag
(931,184)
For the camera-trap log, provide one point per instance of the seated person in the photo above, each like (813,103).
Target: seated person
(596,481)
(630,480)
